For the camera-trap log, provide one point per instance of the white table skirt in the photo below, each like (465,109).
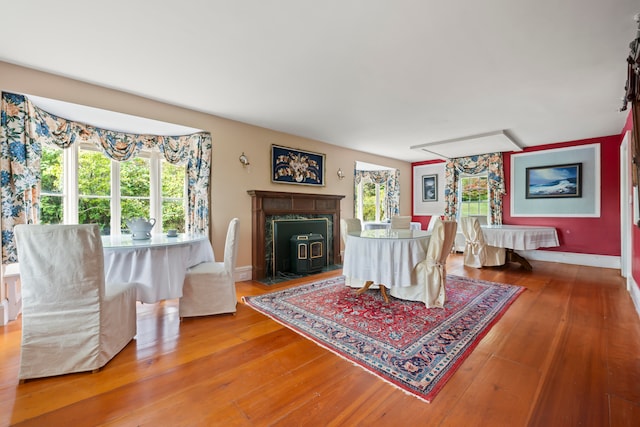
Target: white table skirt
(158,265)
(388,261)
(383,225)
(520,237)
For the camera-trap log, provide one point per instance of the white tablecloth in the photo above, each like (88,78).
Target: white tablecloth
(384,256)
(384,225)
(157,265)
(520,237)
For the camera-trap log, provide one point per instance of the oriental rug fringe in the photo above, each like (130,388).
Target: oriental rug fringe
(404,343)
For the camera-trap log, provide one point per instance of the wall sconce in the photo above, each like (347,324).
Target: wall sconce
(340,174)
(244,160)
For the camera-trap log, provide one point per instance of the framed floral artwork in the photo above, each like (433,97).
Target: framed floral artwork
(292,166)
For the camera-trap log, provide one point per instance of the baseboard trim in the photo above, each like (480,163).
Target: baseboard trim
(243,273)
(590,260)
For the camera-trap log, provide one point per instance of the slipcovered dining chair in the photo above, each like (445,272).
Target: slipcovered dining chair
(432,222)
(431,273)
(461,241)
(477,253)
(210,287)
(349,225)
(400,222)
(72,321)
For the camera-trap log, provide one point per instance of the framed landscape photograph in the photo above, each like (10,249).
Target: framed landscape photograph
(430,188)
(555,181)
(292,166)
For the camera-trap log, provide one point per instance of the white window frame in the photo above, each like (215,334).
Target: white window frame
(466,175)
(71,196)
(360,199)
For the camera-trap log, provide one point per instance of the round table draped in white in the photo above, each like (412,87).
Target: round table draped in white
(384,256)
(158,265)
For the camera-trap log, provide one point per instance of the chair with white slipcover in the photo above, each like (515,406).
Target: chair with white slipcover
(432,222)
(210,287)
(72,321)
(431,273)
(400,222)
(477,253)
(460,242)
(349,225)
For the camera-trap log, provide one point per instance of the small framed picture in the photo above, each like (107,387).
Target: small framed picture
(556,181)
(429,188)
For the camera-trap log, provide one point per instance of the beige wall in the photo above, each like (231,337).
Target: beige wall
(229,180)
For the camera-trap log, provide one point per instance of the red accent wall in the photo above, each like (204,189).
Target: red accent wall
(600,236)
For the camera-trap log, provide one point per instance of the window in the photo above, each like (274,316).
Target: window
(370,201)
(173,196)
(80,185)
(135,190)
(473,195)
(51,186)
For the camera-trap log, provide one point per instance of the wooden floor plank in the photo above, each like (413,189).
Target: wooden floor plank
(507,389)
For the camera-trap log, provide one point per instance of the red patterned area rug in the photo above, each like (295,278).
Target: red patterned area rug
(404,343)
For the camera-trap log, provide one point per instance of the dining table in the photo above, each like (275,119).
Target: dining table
(157,265)
(521,238)
(383,257)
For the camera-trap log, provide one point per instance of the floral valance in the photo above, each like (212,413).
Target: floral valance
(473,165)
(24,127)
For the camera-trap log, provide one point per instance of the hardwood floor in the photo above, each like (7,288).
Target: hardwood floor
(566,353)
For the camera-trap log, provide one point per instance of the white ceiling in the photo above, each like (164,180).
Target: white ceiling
(379,76)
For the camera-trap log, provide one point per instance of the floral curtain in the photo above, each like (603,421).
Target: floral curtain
(19,172)
(391,179)
(492,163)
(24,127)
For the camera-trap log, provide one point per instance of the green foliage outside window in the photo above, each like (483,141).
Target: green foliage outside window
(135,184)
(474,196)
(369,201)
(173,214)
(94,188)
(51,186)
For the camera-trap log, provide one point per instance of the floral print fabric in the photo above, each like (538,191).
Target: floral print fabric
(24,127)
(492,163)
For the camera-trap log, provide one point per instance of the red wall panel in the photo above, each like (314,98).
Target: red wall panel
(599,236)
(576,234)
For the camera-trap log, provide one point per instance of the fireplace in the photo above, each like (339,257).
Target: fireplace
(272,207)
(279,254)
(307,253)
